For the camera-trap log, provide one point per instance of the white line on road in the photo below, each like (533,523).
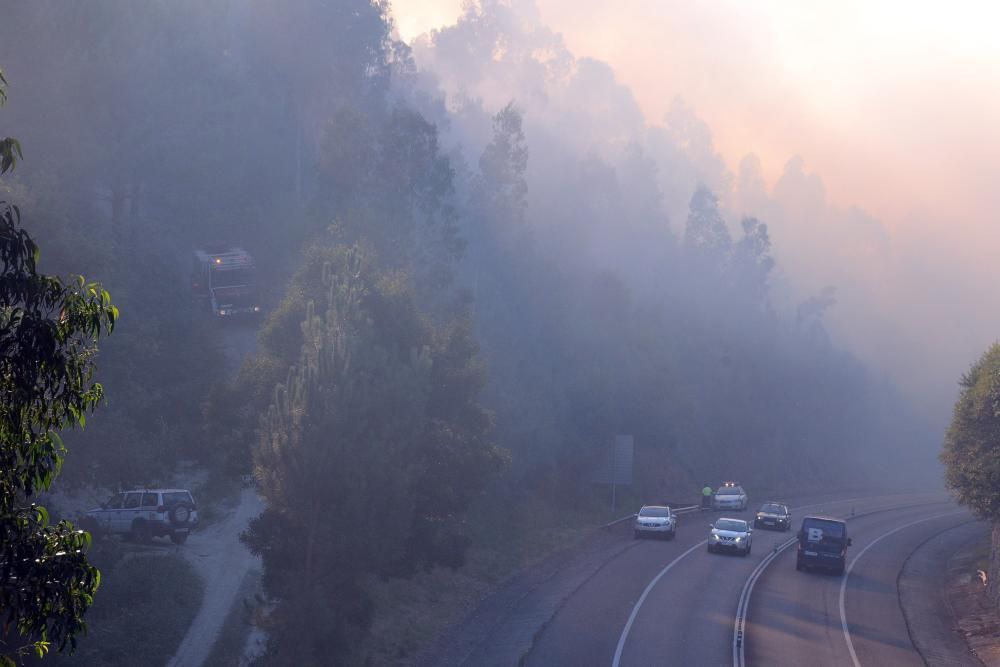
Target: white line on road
(652,584)
(743,607)
(847,574)
(744,603)
(642,598)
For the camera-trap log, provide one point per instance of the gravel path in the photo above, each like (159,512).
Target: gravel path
(222,561)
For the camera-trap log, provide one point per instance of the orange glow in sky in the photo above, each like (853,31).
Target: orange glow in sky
(894,104)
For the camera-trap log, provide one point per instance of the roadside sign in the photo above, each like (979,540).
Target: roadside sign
(620,471)
(621,460)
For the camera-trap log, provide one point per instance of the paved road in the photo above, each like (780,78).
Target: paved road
(672,603)
(854,620)
(925,594)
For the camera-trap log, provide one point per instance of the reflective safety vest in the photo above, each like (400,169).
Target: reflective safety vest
(707,491)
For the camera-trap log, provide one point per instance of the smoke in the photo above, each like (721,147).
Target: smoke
(906,297)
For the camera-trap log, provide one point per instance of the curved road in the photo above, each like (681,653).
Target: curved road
(672,603)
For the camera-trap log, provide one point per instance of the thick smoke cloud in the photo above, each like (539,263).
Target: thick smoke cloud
(610,200)
(578,111)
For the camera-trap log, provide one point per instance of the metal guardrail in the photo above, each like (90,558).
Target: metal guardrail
(618,521)
(680,510)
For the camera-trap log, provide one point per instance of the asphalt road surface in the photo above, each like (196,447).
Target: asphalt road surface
(672,603)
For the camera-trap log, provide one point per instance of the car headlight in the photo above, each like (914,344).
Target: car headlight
(739,539)
(715,537)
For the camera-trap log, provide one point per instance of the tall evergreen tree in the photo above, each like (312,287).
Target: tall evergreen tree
(971,452)
(368,455)
(502,185)
(706,236)
(752,264)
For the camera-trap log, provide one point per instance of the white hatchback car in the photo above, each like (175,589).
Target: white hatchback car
(146,513)
(655,520)
(730,535)
(730,496)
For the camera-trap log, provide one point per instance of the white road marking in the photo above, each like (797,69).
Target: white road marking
(743,607)
(739,637)
(847,574)
(642,598)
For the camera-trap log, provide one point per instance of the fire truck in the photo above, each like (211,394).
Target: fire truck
(224,279)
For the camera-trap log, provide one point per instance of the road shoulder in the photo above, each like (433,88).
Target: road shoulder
(927,589)
(976,616)
(503,628)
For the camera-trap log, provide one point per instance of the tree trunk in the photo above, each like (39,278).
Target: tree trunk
(993,576)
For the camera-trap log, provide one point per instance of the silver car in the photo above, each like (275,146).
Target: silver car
(730,496)
(655,520)
(730,535)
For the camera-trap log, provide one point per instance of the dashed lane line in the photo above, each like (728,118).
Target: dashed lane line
(616,661)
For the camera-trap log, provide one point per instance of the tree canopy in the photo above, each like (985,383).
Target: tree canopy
(972,444)
(375,434)
(48,334)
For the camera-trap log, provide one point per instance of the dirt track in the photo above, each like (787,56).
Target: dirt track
(222,561)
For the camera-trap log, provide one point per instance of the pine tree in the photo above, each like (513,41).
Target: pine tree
(706,236)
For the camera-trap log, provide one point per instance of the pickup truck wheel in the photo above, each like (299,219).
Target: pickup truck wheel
(672,534)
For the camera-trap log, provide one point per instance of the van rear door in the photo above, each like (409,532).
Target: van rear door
(823,535)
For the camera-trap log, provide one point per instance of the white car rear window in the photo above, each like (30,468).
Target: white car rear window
(175,497)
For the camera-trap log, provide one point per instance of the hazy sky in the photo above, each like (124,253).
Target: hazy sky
(895,105)
(860,90)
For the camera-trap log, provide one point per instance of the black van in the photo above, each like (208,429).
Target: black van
(823,544)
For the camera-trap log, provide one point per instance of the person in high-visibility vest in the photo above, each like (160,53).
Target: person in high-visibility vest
(706,496)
